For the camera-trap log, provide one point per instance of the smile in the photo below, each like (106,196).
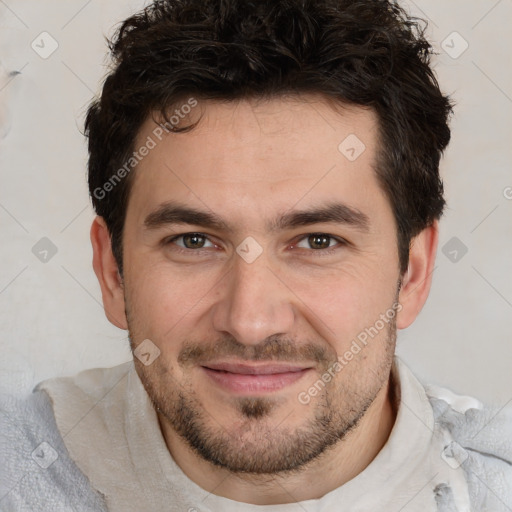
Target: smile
(250,379)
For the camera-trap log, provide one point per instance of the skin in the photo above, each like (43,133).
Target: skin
(250,162)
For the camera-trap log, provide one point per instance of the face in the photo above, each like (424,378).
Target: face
(258,248)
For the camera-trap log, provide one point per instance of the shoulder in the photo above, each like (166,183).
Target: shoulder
(87,384)
(482,445)
(36,472)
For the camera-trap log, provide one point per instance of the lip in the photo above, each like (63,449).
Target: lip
(254,379)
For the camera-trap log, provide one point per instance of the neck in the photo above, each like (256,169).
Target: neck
(334,468)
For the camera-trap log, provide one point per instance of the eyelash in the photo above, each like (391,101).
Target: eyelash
(320,252)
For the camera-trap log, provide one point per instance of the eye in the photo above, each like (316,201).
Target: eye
(320,242)
(190,241)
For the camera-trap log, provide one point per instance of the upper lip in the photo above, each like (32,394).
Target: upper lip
(251,369)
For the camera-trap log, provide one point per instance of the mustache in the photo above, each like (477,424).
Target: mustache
(273,348)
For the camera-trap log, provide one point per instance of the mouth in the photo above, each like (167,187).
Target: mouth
(253,379)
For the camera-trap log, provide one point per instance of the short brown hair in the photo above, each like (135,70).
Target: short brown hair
(363,52)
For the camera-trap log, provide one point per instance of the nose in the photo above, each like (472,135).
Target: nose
(253,303)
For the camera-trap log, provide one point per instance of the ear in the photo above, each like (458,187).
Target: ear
(417,279)
(105,267)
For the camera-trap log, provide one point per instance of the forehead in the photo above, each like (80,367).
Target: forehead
(259,154)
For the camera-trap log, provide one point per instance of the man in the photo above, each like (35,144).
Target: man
(267,188)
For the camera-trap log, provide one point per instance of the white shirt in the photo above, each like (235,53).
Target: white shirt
(111,431)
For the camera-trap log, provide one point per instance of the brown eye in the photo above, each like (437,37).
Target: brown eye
(317,241)
(190,241)
(193,241)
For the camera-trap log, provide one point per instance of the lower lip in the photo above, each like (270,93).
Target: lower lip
(242,383)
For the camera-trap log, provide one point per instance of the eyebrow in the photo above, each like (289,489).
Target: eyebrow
(169,213)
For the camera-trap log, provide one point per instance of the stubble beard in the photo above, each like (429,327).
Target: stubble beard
(256,445)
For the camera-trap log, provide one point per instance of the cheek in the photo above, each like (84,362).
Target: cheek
(343,303)
(168,302)
(162,298)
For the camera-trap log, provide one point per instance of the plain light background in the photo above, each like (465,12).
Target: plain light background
(51,313)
